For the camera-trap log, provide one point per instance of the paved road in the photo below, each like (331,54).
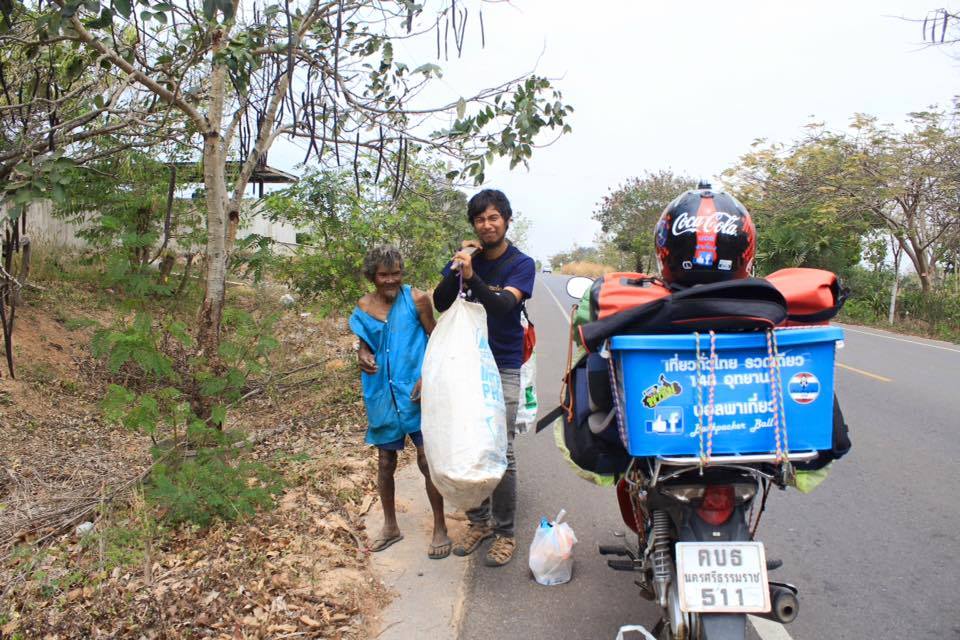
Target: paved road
(874,549)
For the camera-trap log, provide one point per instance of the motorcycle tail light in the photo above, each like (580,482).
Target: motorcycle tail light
(717,504)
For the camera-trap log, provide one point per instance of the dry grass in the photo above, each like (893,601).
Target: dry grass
(588,269)
(300,570)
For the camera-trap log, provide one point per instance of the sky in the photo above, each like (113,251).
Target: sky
(685,85)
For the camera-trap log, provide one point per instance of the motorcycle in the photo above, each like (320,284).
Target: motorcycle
(694,546)
(696,549)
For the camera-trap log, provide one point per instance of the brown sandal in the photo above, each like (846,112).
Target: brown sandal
(500,552)
(471,540)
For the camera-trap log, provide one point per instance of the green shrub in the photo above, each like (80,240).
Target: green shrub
(160,391)
(337,226)
(213,485)
(936,311)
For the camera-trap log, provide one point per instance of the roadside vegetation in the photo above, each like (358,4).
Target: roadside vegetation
(121,513)
(120,494)
(584,268)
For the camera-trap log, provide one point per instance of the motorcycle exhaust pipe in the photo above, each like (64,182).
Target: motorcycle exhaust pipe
(784,605)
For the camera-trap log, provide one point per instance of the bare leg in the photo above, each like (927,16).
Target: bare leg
(441,543)
(391,530)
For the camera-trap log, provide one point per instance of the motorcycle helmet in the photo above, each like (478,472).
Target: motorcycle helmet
(705,236)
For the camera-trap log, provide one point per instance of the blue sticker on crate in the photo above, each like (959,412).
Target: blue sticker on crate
(748,398)
(667,421)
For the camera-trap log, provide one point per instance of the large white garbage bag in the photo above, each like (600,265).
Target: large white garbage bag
(463,416)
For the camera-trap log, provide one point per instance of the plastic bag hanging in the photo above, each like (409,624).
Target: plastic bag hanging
(528,405)
(463,416)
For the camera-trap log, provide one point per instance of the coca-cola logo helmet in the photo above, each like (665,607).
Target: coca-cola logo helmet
(705,236)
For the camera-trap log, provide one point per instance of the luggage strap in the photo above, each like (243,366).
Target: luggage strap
(781,441)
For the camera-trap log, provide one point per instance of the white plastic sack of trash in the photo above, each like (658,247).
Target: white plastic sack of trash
(551,552)
(463,416)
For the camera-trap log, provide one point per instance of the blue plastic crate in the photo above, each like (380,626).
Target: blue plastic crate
(658,381)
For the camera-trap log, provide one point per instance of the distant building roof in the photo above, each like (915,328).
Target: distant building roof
(263,174)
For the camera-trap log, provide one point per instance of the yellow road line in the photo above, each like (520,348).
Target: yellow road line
(865,373)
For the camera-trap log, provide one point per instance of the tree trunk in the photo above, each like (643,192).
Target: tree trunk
(922,264)
(211,312)
(914,250)
(894,290)
(893,297)
(23,275)
(186,274)
(214,179)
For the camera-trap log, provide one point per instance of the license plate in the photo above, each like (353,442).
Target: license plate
(722,577)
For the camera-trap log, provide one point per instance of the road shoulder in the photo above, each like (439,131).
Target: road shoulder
(427,594)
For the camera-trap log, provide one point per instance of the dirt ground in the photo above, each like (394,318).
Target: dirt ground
(300,569)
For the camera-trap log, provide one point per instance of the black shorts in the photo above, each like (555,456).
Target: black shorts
(397,445)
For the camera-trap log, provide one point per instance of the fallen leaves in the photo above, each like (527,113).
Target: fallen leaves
(310,622)
(296,571)
(365,504)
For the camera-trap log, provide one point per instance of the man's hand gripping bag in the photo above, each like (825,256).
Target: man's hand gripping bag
(463,416)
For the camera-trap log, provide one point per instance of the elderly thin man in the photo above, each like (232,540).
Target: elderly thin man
(392,324)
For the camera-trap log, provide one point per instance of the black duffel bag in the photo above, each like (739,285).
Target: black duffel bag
(748,304)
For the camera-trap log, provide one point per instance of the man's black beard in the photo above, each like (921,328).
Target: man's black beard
(494,245)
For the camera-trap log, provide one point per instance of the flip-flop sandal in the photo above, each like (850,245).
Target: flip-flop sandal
(382,543)
(439,551)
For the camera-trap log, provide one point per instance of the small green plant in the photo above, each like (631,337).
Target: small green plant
(254,256)
(73,579)
(122,544)
(181,401)
(213,485)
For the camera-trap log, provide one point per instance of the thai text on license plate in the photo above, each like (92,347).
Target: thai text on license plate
(722,577)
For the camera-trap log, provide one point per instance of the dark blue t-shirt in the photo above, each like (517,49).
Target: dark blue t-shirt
(512,269)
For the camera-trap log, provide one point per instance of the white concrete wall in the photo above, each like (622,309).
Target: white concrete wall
(47,232)
(50,233)
(252,222)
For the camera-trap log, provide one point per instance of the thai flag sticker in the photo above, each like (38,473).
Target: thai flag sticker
(804,388)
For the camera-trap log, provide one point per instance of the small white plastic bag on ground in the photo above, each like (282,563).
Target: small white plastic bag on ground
(463,416)
(551,552)
(634,632)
